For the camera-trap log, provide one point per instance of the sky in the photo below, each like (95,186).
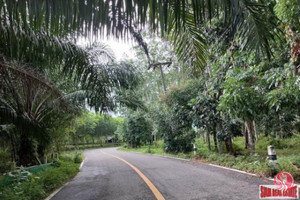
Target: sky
(121,48)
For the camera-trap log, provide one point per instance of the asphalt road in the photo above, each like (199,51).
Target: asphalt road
(106,177)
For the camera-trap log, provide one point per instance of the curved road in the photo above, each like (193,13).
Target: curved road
(103,176)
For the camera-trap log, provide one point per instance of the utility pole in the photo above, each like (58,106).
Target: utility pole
(160,65)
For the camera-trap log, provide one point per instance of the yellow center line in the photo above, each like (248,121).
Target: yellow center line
(154,190)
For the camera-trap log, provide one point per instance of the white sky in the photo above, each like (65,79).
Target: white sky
(121,48)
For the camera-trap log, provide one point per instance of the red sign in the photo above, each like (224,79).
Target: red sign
(283,189)
(284,180)
(271,192)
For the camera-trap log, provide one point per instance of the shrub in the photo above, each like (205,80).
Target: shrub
(264,142)
(290,164)
(179,139)
(5,163)
(71,156)
(29,191)
(137,129)
(66,158)
(55,176)
(36,186)
(78,158)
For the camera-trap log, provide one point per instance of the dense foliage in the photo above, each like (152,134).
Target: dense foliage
(178,135)
(92,128)
(137,129)
(37,185)
(46,81)
(240,92)
(220,70)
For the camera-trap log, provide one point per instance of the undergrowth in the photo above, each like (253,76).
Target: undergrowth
(34,186)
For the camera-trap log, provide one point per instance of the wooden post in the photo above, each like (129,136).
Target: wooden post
(163,79)
(154,65)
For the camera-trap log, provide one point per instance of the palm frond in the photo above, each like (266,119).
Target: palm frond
(103,80)
(99,17)
(78,95)
(254,24)
(189,43)
(24,94)
(130,100)
(101,53)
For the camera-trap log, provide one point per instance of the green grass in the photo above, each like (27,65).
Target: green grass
(156,149)
(39,185)
(90,146)
(288,153)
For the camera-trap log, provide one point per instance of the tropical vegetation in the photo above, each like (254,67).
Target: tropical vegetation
(221,74)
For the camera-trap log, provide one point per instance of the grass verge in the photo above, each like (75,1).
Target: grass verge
(156,149)
(90,146)
(34,186)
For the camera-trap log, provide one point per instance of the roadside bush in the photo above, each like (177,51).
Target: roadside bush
(36,186)
(290,164)
(181,141)
(254,164)
(81,147)
(53,177)
(66,158)
(78,158)
(159,144)
(24,191)
(71,156)
(137,129)
(264,142)
(174,118)
(5,163)
(89,146)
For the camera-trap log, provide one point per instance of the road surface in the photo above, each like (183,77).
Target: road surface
(109,174)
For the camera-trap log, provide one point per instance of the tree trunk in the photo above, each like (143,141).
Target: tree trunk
(41,151)
(76,145)
(295,51)
(215,140)
(229,148)
(13,148)
(295,73)
(208,138)
(100,141)
(220,142)
(255,132)
(220,147)
(26,151)
(251,136)
(203,137)
(246,136)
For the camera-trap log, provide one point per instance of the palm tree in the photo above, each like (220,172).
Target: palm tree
(26,98)
(32,101)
